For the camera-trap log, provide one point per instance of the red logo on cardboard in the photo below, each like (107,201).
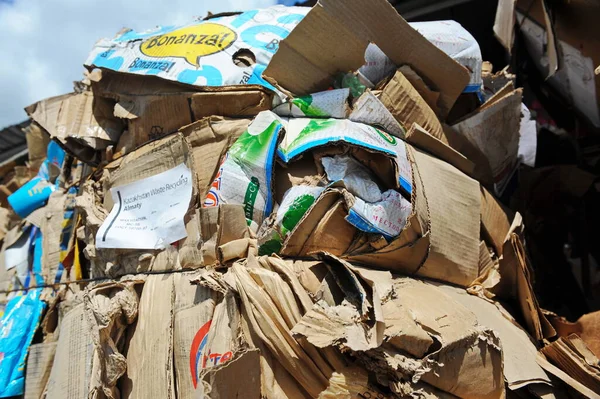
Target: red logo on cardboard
(200,358)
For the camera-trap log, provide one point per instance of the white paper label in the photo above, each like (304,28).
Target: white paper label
(148,214)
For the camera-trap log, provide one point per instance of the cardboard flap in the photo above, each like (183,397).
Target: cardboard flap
(495,221)
(406,105)
(298,238)
(454,204)
(343,30)
(39,365)
(494,130)
(519,350)
(421,138)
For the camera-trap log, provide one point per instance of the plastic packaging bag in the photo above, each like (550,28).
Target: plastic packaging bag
(36,192)
(204,52)
(246,173)
(294,205)
(17,327)
(386,217)
(357,178)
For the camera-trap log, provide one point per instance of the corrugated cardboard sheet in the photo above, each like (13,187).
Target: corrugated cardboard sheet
(343,30)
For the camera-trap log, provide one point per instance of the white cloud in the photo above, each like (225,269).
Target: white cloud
(45,42)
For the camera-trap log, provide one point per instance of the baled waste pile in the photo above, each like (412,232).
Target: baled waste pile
(278,203)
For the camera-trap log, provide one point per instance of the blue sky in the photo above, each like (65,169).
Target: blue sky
(45,42)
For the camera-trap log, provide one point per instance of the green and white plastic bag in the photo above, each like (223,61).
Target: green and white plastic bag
(304,134)
(296,201)
(246,173)
(324,104)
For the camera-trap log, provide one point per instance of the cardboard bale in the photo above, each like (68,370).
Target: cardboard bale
(72,367)
(82,123)
(39,365)
(395,328)
(109,308)
(569,55)
(304,69)
(150,368)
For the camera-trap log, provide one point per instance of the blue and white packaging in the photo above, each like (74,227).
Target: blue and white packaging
(17,327)
(202,52)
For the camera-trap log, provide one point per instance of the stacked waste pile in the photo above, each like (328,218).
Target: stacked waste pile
(287,202)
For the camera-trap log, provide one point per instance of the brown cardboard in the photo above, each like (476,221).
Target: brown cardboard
(248,102)
(37,143)
(109,308)
(268,305)
(39,364)
(441,240)
(209,139)
(154,108)
(494,130)
(225,236)
(243,370)
(578,53)
(152,117)
(193,308)
(413,316)
(343,31)
(516,282)
(153,158)
(564,377)
(504,24)
(51,228)
(82,123)
(574,357)
(430,96)
(296,241)
(150,369)
(453,201)
(518,349)
(72,366)
(408,107)
(332,230)
(370,110)
(422,139)
(495,220)
(586,327)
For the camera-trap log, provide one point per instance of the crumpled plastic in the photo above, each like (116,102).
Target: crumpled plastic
(357,179)
(17,327)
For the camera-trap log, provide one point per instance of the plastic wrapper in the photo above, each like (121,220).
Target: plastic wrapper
(35,193)
(296,201)
(246,173)
(202,53)
(386,217)
(357,179)
(303,134)
(330,104)
(17,327)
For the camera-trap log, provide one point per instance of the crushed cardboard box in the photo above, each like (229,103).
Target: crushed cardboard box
(288,220)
